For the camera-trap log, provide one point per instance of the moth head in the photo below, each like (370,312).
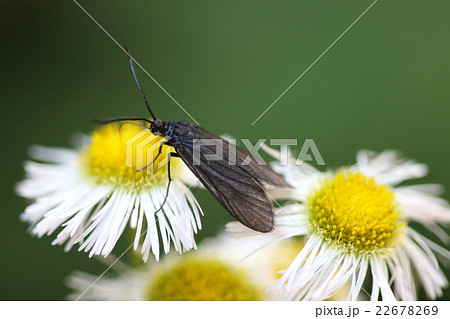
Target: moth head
(158,127)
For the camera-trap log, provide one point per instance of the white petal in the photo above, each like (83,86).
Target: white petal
(422,207)
(380,280)
(388,167)
(51,154)
(427,269)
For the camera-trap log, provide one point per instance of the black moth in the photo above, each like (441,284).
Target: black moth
(237,185)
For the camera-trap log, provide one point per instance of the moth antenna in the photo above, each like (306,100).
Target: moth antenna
(138,125)
(138,84)
(119,119)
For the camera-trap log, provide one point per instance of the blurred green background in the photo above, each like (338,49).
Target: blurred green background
(383,85)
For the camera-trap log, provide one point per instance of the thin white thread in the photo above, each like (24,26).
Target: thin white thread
(136,62)
(315,61)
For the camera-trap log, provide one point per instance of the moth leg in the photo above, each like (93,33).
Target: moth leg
(172,154)
(157,155)
(169,156)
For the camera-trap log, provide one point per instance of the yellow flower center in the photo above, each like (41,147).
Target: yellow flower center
(353,211)
(119,155)
(196,278)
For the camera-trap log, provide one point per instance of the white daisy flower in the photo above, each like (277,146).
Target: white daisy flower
(356,219)
(92,194)
(223,268)
(213,272)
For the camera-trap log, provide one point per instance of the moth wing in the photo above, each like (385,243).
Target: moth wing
(262,173)
(235,187)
